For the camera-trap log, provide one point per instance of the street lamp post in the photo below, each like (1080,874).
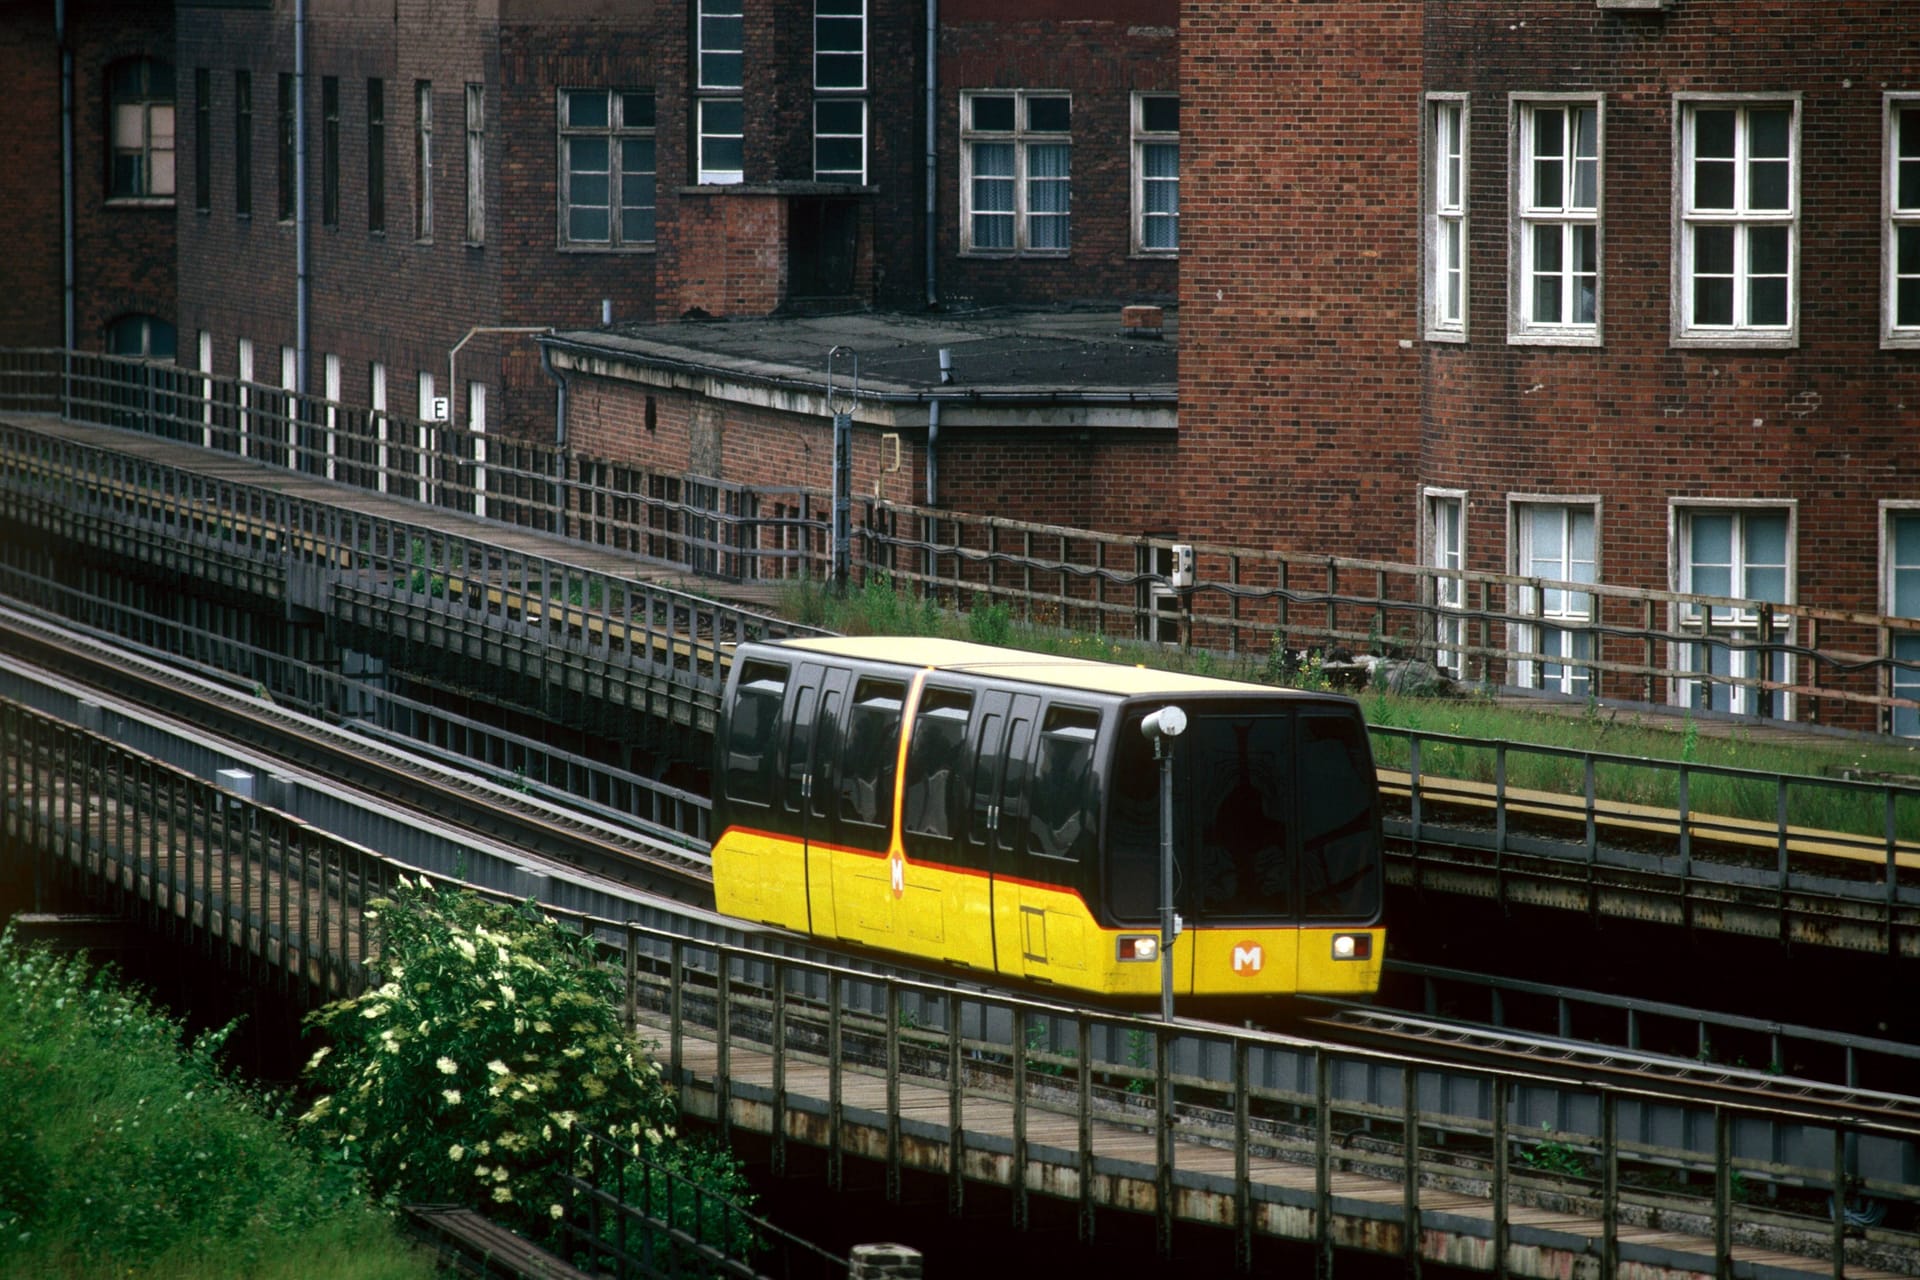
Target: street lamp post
(1163,726)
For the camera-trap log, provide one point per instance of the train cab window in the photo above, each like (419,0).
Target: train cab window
(871,755)
(1242,788)
(1339,872)
(935,757)
(1063,812)
(752,732)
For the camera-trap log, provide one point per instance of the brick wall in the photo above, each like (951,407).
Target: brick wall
(123,251)
(1100,55)
(1300,382)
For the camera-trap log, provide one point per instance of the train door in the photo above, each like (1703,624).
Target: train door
(946,906)
(864,892)
(1058,850)
(1241,846)
(998,823)
(817,695)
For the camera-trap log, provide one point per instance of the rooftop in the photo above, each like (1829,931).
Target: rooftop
(1058,354)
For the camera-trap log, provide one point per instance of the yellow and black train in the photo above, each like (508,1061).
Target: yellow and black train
(999,810)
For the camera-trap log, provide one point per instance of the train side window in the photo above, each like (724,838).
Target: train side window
(1064,816)
(935,756)
(986,771)
(800,747)
(1339,846)
(753,725)
(1013,782)
(870,758)
(826,749)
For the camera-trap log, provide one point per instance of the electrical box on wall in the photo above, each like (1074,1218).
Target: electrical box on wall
(1181,576)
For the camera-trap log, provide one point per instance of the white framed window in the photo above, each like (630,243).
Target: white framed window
(330,388)
(1900,243)
(840,83)
(607,174)
(1446,220)
(477,441)
(431,412)
(423,159)
(719,113)
(1445,536)
(243,352)
(1741,553)
(1900,598)
(840,140)
(1554,257)
(204,350)
(1737,232)
(722,139)
(140,111)
(476,164)
(1016,155)
(1557,540)
(1156,174)
(377,401)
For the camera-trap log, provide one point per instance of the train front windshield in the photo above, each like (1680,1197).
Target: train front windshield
(1274,820)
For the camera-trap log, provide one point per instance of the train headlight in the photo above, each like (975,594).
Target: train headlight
(1352,946)
(1139,946)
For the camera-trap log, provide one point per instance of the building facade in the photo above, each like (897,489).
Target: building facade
(1617,291)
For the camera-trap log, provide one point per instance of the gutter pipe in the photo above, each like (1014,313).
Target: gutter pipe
(932,157)
(303,271)
(69,321)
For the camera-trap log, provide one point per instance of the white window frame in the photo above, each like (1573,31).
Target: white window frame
(1898,683)
(141,125)
(423,160)
(377,401)
(477,431)
(617,133)
(1739,623)
(1021,139)
(719,75)
(1449,594)
(1446,128)
(1530,213)
(1686,332)
(476,164)
(330,388)
(856,177)
(1899,112)
(243,355)
(1564,634)
(204,349)
(841,96)
(1143,138)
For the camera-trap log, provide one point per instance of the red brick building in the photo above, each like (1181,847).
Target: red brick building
(1594,290)
(544,163)
(117,144)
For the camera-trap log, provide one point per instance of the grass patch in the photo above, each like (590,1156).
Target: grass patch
(125,1153)
(1819,796)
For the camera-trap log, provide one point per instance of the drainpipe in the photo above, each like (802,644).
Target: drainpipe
(933,158)
(303,284)
(68,323)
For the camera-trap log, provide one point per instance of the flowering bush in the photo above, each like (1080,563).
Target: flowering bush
(462,1077)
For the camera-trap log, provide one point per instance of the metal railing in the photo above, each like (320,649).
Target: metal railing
(1755,657)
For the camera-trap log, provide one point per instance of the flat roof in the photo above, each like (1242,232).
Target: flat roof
(1068,355)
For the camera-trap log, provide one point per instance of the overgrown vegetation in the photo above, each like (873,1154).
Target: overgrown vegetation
(469,1074)
(126,1153)
(1477,719)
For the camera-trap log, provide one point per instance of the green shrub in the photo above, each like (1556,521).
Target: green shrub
(463,1075)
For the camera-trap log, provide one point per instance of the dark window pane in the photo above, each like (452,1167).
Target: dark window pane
(1713,184)
(1339,858)
(1160,115)
(1243,814)
(1049,115)
(1713,301)
(587,109)
(752,728)
(1713,132)
(993,113)
(1713,251)
(636,110)
(1768,185)
(1767,251)
(1767,302)
(1063,815)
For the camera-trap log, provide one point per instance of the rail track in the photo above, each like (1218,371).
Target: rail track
(660,863)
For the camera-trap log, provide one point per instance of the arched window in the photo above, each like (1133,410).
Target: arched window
(140,126)
(148,337)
